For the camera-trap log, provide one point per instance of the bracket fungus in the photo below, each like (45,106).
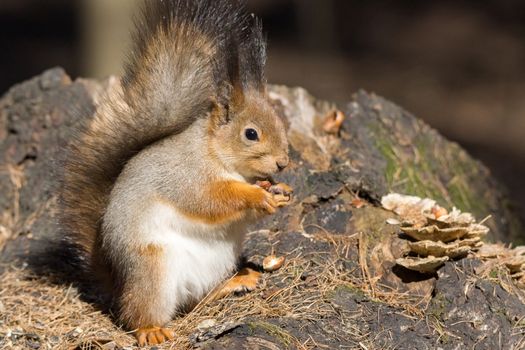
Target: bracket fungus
(513,260)
(435,235)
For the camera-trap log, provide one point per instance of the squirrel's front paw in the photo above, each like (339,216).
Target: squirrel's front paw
(268,203)
(153,335)
(281,192)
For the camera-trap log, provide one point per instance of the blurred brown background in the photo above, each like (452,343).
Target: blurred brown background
(460,65)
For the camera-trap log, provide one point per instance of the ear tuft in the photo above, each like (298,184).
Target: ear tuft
(224,93)
(228,98)
(220,113)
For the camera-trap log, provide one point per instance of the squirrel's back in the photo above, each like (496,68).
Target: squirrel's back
(187,56)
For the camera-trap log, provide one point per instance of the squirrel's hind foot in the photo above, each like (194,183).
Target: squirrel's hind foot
(153,335)
(244,281)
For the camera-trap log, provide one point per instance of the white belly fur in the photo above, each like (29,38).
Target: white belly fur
(196,256)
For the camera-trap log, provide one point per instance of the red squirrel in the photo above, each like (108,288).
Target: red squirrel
(160,185)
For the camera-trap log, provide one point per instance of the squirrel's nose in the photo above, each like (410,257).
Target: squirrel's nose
(282,163)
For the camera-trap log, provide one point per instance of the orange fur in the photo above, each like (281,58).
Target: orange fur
(228,201)
(244,280)
(136,300)
(151,250)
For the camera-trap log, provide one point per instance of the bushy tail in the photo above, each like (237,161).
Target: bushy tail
(187,56)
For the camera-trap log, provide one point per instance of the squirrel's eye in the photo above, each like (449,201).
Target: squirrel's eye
(251,134)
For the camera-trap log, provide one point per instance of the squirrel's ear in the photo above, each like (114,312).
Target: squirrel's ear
(220,113)
(228,97)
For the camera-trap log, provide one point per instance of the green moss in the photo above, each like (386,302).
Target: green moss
(422,169)
(438,308)
(295,272)
(391,160)
(284,338)
(445,338)
(355,292)
(459,188)
(348,288)
(403,173)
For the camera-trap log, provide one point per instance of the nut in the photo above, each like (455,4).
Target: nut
(265,185)
(273,263)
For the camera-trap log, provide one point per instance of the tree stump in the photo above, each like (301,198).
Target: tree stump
(339,286)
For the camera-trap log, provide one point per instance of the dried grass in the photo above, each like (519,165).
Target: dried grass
(38,311)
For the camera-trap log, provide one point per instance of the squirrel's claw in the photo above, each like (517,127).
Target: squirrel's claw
(153,335)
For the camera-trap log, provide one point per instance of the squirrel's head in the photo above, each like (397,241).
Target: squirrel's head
(249,138)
